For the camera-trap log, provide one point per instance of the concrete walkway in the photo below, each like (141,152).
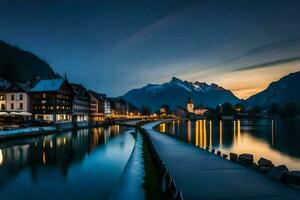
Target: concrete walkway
(203,175)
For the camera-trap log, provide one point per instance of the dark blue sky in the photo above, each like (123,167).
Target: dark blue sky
(113,46)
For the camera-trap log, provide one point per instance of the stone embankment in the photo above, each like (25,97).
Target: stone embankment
(206,174)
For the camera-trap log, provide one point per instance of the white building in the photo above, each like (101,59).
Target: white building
(17,98)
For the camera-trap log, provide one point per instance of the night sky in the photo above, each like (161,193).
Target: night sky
(112,46)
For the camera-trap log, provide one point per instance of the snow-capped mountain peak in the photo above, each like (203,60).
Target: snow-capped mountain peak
(175,93)
(196,86)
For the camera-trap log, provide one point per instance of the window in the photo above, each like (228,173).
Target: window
(12,106)
(21,97)
(44,95)
(12,97)
(2,98)
(2,106)
(21,106)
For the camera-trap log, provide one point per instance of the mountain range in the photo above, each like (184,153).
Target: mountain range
(17,65)
(176,93)
(285,90)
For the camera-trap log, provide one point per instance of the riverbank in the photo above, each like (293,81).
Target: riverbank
(59,128)
(203,175)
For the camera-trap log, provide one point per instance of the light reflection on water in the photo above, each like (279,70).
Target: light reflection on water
(84,164)
(276,140)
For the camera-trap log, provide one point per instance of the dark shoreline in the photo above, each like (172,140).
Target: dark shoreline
(4,138)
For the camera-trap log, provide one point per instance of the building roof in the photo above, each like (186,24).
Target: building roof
(50,85)
(24,86)
(18,87)
(78,89)
(98,95)
(4,85)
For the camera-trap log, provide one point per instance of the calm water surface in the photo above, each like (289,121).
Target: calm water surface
(84,164)
(277,140)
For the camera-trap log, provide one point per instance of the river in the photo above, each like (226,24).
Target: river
(277,140)
(83,164)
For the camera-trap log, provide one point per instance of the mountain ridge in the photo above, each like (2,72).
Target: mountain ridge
(282,91)
(176,92)
(18,65)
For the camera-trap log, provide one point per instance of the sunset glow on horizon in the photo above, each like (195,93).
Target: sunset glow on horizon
(246,83)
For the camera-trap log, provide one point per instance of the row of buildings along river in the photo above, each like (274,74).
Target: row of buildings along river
(56,101)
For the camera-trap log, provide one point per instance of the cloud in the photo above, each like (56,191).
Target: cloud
(268,64)
(261,49)
(147,31)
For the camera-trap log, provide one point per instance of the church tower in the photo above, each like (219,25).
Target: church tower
(190,105)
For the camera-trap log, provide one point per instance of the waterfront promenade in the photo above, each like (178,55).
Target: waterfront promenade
(203,175)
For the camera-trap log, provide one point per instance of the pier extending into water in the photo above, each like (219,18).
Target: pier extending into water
(200,174)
